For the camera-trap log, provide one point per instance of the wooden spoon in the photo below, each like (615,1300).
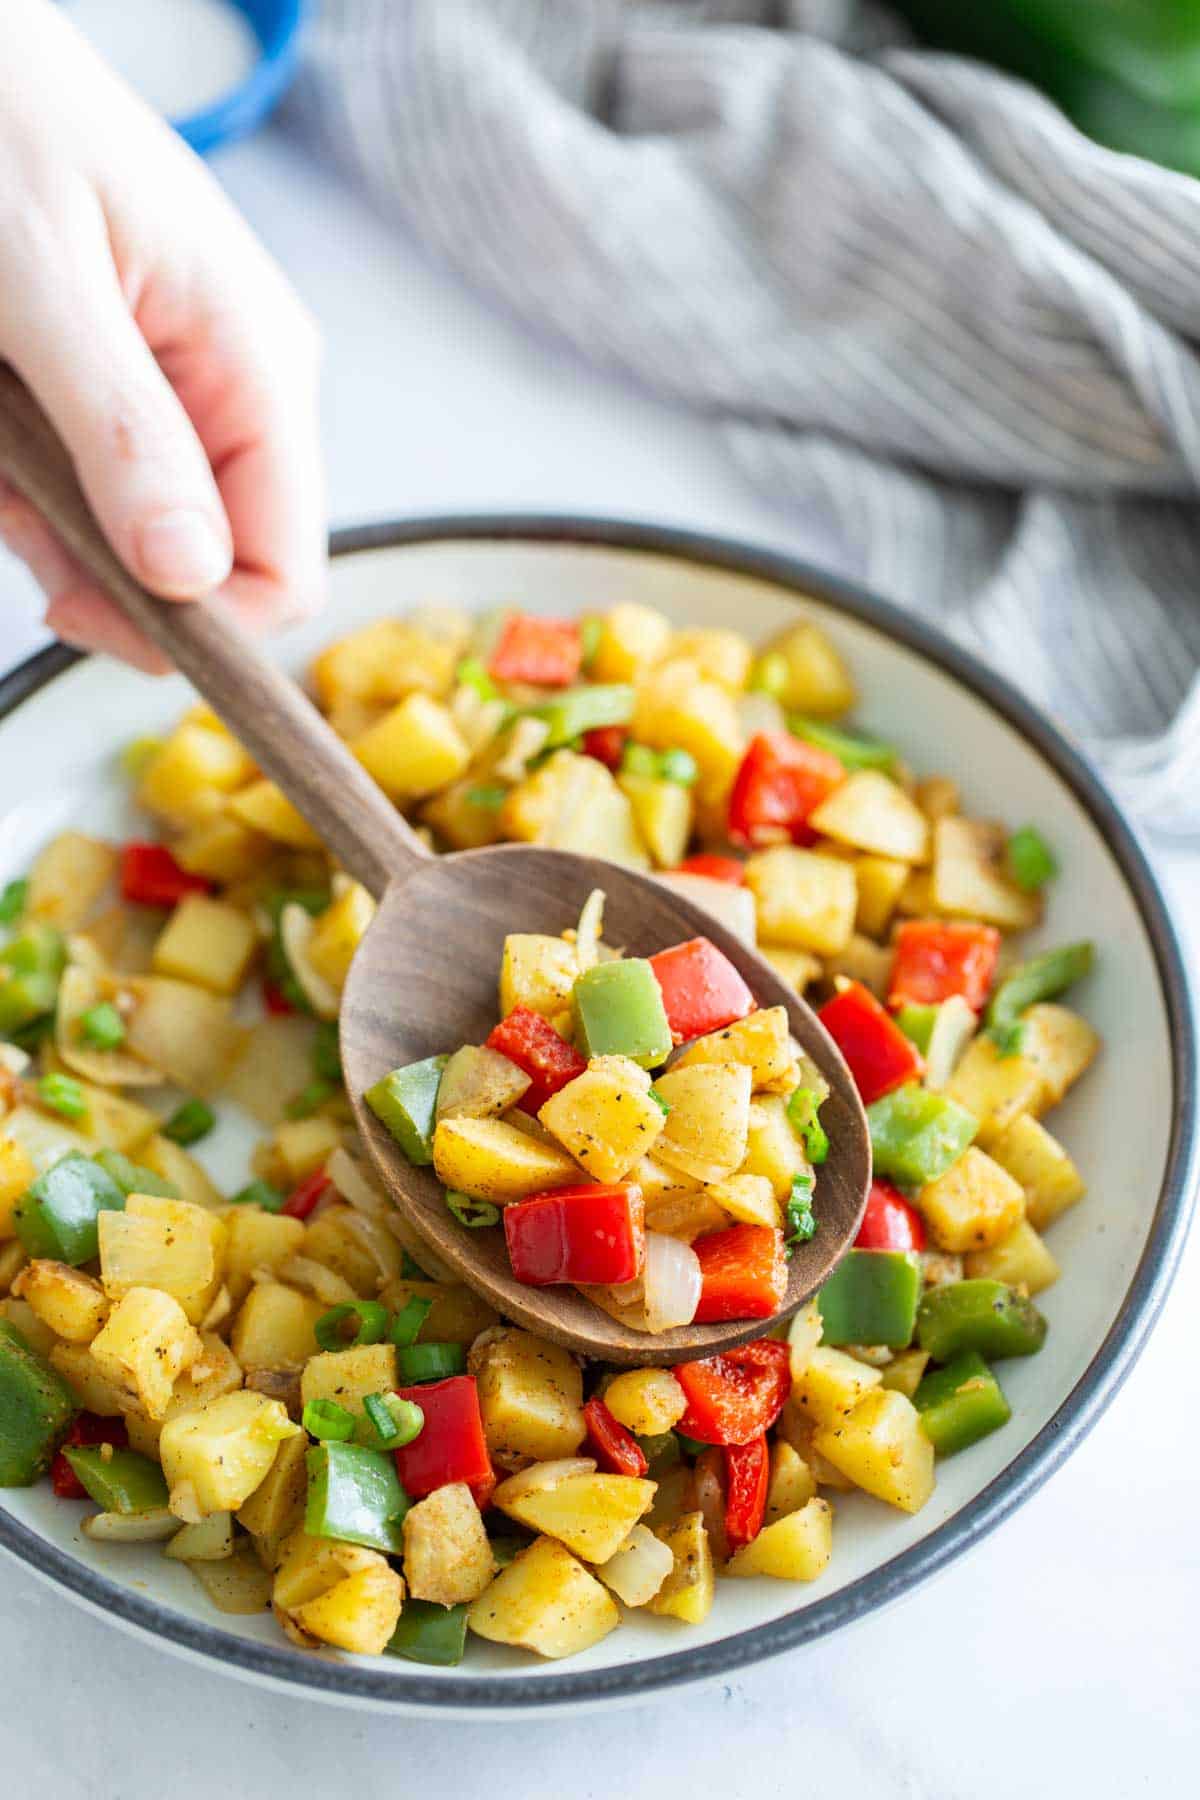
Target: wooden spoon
(424,979)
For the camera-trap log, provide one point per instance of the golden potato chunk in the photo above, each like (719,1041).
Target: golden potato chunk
(803,900)
(147,1342)
(545,1601)
(687,1593)
(1038,1161)
(881,1447)
(605,1117)
(970,880)
(708,1121)
(1021,1259)
(831,1385)
(973,1205)
(492,1160)
(796,1547)
(592,1514)
(215,1455)
(166,1244)
(207,942)
(447,1556)
(530,1396)
(762,1040)
(68,1301)
(870,812)
(645,1401)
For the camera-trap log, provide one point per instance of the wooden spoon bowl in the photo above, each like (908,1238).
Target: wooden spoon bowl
(425,978)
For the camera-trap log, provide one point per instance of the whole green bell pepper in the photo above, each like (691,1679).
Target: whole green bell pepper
(960,1404)
(406,1102)
(917,1134)
(871,1298)
(985,1316)
(57,1216)
(354,1494)
(36,1410)
(121,1482)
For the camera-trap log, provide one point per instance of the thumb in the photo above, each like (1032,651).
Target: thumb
(136,452)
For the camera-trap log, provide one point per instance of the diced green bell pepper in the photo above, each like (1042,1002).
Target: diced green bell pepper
(917,1023)
(851,750)
(56,1217)
(406,1102)
(1041,979)
(987,1316)
(429,1633)
(25,998)
(354,1494)
(960,1404)
(122,1482)
(13,896)
(39,950)
(190,1122)
(133,1178)
(619,1011)
(916,1134)
(871,1298)
(585,709)
(1031,862)
(36,1410)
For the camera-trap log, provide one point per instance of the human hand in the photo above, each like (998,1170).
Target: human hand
(176,363)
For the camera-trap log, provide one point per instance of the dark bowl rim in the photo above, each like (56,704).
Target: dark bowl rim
(1024,1475)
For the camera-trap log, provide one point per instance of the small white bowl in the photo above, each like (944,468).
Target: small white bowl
(1131,1124)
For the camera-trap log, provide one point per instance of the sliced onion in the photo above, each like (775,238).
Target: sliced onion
(589,930)
(638,1569)
(355,1185)
(952,1031)
(295,929)
(541,1476)
(670,1282)
(131,1528)
(759,712)
(525,740)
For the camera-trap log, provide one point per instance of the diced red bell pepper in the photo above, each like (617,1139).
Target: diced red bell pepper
(737,1396)
(275,1000)
(743,1273)
(533,1044)
(607,744)
(615,1449)
(590,1233)
(303,1199)
(877,1052)
(936,959)
(889,1222)
(747,1468)
(701,989)
(451,1445)
(714,868)
(150,876)
(88,1428)
(545,652)
(781,781)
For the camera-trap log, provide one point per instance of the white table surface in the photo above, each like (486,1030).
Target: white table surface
(1059,1657)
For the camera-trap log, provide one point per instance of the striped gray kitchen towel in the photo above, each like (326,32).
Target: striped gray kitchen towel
(953,337)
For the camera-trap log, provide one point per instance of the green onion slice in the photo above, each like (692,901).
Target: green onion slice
(408,1321)
(372,1325)
(395,1421)
(471,1212)
(326,1420)
(430,1362)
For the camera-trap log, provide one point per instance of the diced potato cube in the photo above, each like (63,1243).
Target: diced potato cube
(276,1507)
(17,1172)
(721,655)
(414,749)
(274,1328)
(632,639)
(591,1514)
(1038,1161)
(216,1455)
(970,878)
(359,1613)
(382,662)
(905,1370)
(772,1147)
(207,942)
(816,680)
(187,1176)
(304,1144)
(677,708)
(882,1448)
(455,815)
(223,849)
(491,1160)
(215,1371)
(256,1240)
(530,1397)
(747,1199)
(337,933)
(456,1316)
(605,1117)
(68,878)
(685,1214)
(800,967)
(803,899)
(573,803)
(637,1570)
(447,1556)
(538,972)
(1059,1044)
(311,1566)
(937,796)
(185,781)
(663,813)
(265,808)
(870,812)
(831,1385)
(762,1041)
(67,1300)
(796,1547)
(707,1125)
(166,1244)
(545,1601)
(183,1030)
(21,1316)
(791,1483)
(881,881)
(973,1205)
(94,1390)
(356,1246)
(1021,1259)
(805,1331)
(996,1088)
(645,1401)
(348,1376)
(688,1591)
(146,1344)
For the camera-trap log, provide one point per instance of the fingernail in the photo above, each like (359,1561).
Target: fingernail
(181,552)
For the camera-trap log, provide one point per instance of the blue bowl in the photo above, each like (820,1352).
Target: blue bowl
(276,24)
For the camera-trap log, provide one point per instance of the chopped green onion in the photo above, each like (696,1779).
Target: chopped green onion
(770,675)
(639,759)
(430,1362)
(1031,862)
(406,1326)
(852,751)
(259,1193)
(326,1420)
(472,673)
(63,1094)
(102,1026)
(190,1122)
(372,1325)
(326,1056)
(802,1116)
(917,1023)
(591,630)
(12,901)
(664,1106)
(137,754)
(309,1099)
(679,766)
(488,798)
(471,1212)
(801,1225)
(396,1421)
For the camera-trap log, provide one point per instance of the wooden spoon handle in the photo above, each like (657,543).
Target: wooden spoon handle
(275,720)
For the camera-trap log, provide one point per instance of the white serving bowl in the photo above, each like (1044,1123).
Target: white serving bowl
(1130,1124)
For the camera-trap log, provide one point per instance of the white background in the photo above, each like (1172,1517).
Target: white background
(1059,1658)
